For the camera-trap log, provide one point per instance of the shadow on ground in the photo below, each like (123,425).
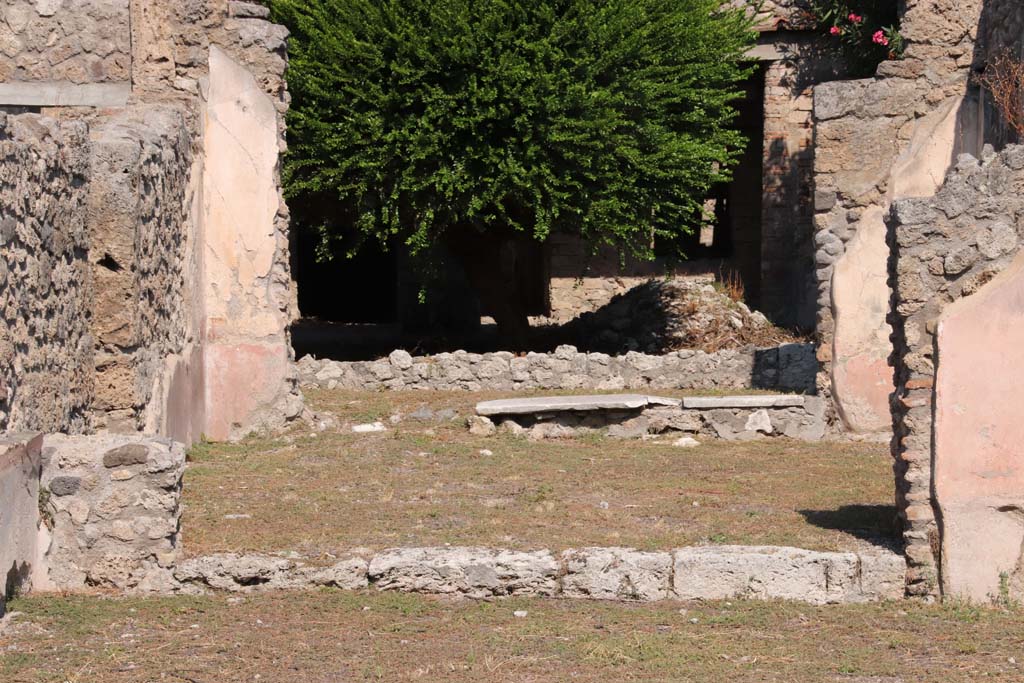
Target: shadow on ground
(876,524)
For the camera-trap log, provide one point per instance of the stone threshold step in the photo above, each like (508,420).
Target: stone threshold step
(557,404)
(693,573)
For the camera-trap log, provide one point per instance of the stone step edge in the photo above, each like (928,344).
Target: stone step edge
(623,574)
(600,402)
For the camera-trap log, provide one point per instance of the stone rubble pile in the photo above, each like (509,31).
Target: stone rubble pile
(660,316)
(705,573)
(786,368)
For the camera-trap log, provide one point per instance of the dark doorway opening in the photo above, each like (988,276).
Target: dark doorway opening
(734,242)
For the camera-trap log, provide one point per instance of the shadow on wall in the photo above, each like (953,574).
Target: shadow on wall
(876,524)
(17,577)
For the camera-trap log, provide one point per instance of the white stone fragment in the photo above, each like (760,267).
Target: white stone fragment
(481,426)
(760,421)
(373,427)
(557,404)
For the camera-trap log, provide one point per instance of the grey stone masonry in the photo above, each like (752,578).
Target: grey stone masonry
(46,353)
(697,573)
(113,506)
(791,367)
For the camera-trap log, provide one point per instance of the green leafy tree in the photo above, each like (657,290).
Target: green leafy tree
(477,124)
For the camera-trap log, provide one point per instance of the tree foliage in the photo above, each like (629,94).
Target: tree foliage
(413,119)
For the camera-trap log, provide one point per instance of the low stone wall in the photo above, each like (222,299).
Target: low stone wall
(698,573)
(788,368)
(956,270)
(46,354)
(20,467)
(113,506)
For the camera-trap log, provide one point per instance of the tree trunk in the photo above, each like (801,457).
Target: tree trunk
(489,260)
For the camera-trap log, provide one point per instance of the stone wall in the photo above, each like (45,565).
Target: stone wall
(622,574)
(113,506)
(788,368)
(141,236)
(188,231)
(72,41)
(46,353)
(880,140)
(20,466)
(959,333)
(228,62)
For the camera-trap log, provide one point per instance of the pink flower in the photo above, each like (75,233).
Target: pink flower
(856,18)
(835,30)
(880,38)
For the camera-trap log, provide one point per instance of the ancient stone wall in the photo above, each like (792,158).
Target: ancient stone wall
(959,335)
(53,43)
(788,292)
(113,507)
(46,354)
(188,229)
(879,140)
(141,235)
(788,368)
(229,55)
(1000,31)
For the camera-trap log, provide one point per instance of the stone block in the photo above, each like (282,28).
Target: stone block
(617,574)
(768,573)
(473,572)
(250,573)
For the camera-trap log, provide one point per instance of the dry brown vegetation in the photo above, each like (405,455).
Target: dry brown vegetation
(1003,77)
(426,483)
(334,637)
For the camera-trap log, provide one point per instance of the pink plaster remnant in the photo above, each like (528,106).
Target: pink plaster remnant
(242,382)
(861,376)
(979,437)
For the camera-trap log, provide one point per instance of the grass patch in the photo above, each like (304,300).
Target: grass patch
(332,636)
(426,483)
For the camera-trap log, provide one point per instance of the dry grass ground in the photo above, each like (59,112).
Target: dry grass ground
(425,483)
(334,637)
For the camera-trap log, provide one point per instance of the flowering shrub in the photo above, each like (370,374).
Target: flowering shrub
(865,31)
